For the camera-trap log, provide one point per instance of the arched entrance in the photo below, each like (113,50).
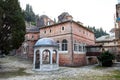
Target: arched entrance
(37,62)
(46,57)
(54,59)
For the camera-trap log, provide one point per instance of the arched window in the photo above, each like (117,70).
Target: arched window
(46,57)
(37,61)
(64,45)
(54,57)
(58,45)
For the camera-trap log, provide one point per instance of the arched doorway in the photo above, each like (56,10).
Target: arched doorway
(46,57)
(37,61)
(54,57)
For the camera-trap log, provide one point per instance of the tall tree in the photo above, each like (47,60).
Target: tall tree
(29,14)
(12,27)
(98,32)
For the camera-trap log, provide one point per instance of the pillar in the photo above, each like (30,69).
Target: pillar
(41,52)
(34,59)
(51,54)
(57,57)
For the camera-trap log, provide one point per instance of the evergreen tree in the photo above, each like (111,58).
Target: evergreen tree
(98,32)
(12,28)
(29,14)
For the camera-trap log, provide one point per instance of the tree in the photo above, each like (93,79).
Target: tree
(12,25)
(106,59)
(29,14)
(98,32)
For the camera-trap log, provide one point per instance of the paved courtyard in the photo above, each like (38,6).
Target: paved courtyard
(13,68)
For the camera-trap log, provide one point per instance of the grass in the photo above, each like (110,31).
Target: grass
(99,67)
(115,75)
(9,74)
(105,77)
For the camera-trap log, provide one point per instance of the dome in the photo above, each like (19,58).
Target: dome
(46,42)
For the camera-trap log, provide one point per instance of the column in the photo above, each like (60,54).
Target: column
(39,57)
(51,54)
(57,57)
(41,52)
(34,59)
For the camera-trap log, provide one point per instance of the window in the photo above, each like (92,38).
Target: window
(44,31)
(83,32)
(75,47)
(80,47)
(62,28)
(64,45)
(84,48)
(32,37)
(50,30)
(114,42)
(58,45)
(48,23)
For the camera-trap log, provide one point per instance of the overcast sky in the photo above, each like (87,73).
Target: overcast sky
(98,13)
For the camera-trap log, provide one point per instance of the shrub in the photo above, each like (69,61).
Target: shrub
(106,59)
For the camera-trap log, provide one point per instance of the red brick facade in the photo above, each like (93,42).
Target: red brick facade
(72,32)
(76,36)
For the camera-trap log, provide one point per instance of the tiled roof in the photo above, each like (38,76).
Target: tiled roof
(66,22)
(32,29)
(106,38)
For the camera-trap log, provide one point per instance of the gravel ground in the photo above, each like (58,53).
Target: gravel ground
(9,64)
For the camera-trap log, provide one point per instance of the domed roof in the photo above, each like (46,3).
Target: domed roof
(46,42)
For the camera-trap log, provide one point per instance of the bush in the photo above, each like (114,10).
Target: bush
(106,59)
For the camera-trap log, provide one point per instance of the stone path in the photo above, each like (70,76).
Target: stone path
(13,64)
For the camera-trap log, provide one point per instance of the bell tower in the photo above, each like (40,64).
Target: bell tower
(117,27)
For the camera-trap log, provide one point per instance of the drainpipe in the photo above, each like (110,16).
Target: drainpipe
(71,41)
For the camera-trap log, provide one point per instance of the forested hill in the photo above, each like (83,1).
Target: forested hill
(29,15)
(98,32)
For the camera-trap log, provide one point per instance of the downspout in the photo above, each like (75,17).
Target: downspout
(72,41)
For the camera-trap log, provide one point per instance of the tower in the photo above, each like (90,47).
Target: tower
(117,30)
(118,1)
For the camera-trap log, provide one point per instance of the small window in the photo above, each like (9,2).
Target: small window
(83,32)
(114,42)
(50,30)
(44,31)
(58,45)
(62,28)
(48,23)
(32,37)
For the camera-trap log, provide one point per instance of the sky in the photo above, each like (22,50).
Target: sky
(98,13)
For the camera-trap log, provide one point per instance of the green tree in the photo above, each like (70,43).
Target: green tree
(29,14)
(98,32)
(106,59)
(12,25)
